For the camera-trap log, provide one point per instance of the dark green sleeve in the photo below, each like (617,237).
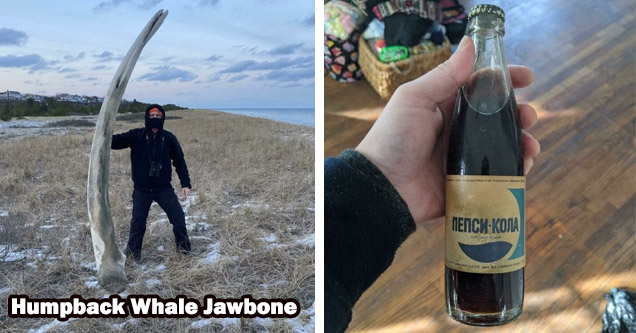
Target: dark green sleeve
(366,220)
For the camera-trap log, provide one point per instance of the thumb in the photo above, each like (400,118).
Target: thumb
(442,83)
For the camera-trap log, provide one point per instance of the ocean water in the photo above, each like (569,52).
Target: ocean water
(294,116)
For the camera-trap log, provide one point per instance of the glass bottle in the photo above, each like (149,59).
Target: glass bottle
(485,187)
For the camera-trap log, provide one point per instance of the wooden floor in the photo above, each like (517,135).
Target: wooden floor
(581,230)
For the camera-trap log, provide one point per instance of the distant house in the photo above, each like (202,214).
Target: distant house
(11,96)
(93,99)
(37,98)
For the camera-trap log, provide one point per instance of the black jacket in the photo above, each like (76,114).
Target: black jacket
(366,220)
(146,146)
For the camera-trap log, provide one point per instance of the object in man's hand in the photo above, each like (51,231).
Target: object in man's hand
(485,187)
(620,313)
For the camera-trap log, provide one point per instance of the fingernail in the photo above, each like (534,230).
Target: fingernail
(462,44)
(529,167)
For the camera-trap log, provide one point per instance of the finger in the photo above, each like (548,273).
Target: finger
(521,76)
(528,162)
(527,114)
(531,145)
(443,82)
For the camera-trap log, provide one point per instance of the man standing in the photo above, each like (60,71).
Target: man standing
(151,150)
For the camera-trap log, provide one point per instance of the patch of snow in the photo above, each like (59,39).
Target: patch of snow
(23,124)
(9,254)
(161,267)
(200,323)
(54,325)
(201,237)
(32,264)
(120,326)
(160,248)
(91,265)
(164,221)
(312,209)
(5,290)
(123,294)
(265,322)
(229,322)
(48,226)
(204,217)
(202,226)
(271,238)
(308,240)
(4,213)
(214,255)
(272,246)
(305,322)
(91,282)
(152,282)
(275,284)
(251,205)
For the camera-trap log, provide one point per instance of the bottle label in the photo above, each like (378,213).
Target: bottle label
(485,227)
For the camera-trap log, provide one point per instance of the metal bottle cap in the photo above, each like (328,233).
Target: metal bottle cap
(490,9)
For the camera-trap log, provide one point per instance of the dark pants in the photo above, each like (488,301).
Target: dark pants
(168,201)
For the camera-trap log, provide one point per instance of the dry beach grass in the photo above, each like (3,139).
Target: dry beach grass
(250,217)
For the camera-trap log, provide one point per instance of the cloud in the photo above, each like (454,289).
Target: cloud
(148,4)
(215,77)
(208,3)
(107,56)
(100,67)
(90,78)
(73,76)
(239,67)
(288,75)
(214,57)
(107,5)
(12,37)
(168,73)
(66,70)
(251,65)
(309,20)
(31,61)
(246,49)
(237,77)
(80,56)
(286,49)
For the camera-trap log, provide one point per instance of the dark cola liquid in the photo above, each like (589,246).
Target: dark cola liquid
(485,142)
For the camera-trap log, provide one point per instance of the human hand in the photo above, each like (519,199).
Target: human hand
(185,192)
(409,141)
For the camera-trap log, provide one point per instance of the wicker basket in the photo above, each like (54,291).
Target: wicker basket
(385,78)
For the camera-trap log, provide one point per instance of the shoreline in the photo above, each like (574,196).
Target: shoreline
(243,111)
(33,126)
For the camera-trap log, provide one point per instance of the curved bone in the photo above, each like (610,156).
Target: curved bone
(110,260)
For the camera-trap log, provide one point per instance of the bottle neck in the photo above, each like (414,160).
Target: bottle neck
(490,72)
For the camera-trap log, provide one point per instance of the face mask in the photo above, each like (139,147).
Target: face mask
(155,123)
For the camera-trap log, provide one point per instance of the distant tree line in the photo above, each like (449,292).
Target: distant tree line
(51,107)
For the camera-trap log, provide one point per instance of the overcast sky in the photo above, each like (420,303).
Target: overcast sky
(207,53)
